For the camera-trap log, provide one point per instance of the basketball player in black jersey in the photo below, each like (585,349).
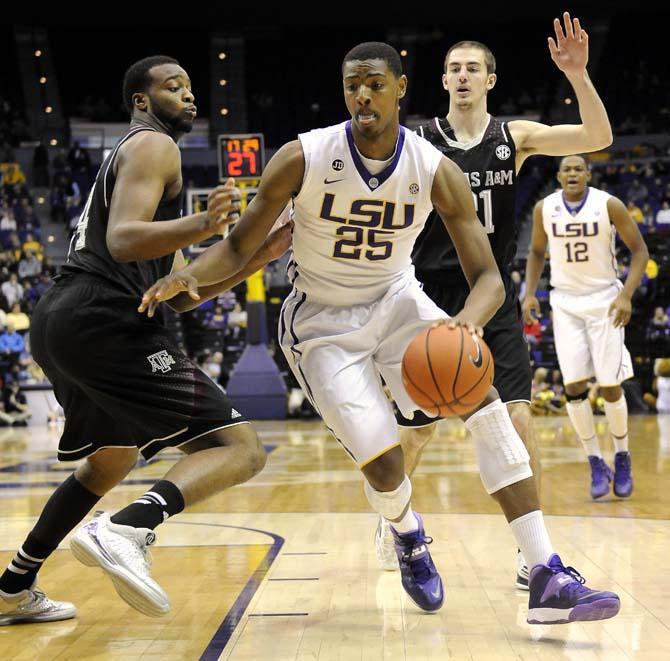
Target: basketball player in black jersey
(491,154)
(125,386)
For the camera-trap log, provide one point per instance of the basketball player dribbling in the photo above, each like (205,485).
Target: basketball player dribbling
(362,191)
(122,380)
(492,152)
(578,225)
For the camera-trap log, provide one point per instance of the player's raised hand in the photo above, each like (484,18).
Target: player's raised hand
(166,288)
(570,50)
(621,310)
(531,310)
(223,206)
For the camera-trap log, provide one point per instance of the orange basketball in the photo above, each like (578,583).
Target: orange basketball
(447,371)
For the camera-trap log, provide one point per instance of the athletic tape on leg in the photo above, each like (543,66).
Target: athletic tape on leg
(581,417)
(617,416)
(390,504)
(502,456)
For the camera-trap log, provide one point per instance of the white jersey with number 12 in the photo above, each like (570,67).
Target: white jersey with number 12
(581,242)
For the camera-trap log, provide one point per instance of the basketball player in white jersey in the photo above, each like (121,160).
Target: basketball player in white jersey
(362,191)
(578,225)
(492,152)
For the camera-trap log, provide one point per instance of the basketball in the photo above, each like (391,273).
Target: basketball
(447,371)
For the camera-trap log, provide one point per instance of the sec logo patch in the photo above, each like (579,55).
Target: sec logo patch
(503,152)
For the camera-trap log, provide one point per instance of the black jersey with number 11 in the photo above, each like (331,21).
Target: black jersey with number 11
(489,165)
(88,248)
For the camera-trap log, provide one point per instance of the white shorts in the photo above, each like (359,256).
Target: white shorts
(587,343)
(339,353)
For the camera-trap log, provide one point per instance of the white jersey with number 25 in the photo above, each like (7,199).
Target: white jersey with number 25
(355,230)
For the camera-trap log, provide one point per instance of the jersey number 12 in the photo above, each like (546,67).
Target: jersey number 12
(578,252)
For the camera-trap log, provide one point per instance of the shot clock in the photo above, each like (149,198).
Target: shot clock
(241,155)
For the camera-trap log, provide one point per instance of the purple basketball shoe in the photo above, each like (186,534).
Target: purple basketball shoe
(558,595)
(417,570)
(601,476)
(623,477)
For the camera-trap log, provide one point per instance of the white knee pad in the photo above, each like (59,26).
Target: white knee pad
(502,456)
(390,504)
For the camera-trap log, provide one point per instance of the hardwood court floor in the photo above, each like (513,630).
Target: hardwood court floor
(284,568)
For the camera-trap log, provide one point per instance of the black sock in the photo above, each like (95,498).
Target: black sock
(68,505)
(162,501)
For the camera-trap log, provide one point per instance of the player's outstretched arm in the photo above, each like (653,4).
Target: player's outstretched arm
(146,166)
(452,198)
(277,243)
(627,228)
(534,266)
(281,180)
(570,53)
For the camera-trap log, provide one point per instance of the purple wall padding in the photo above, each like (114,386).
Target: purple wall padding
(256,387)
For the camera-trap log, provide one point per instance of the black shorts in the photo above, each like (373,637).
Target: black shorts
(503,334)
(119,376)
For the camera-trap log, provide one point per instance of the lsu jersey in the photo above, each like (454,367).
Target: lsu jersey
(355,230)
(581,242)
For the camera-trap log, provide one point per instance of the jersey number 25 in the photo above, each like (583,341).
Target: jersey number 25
(349,247)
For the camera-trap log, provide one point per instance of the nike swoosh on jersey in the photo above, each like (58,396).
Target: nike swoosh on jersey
(332,181)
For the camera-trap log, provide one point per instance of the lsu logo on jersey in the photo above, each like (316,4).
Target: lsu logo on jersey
(573,230)
(367,227)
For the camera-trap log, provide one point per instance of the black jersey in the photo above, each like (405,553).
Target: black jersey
(88,248)
(489,165)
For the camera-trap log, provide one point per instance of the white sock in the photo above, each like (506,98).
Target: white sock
(617,418)
(581,417)
(532,538)
(408,523)
(522,560)
(592,447)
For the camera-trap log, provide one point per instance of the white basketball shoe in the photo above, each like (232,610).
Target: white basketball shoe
(385,546)
(121,551)
(32,605)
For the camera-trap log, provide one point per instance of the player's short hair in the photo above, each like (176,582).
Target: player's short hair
(137,79)
(582,156)
(489,58)
(376,50)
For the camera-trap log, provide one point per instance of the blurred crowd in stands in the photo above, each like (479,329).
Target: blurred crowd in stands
(70,177)
(644,187)
(25,275)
